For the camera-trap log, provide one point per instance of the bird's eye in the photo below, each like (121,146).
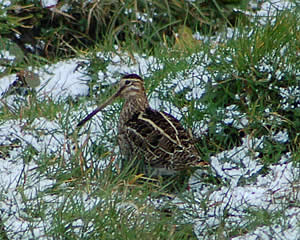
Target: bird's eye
(127,82)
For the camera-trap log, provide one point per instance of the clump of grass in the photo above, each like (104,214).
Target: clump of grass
(252,72)
(82,24)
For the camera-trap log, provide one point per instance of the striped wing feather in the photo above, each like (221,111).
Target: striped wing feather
(162,140)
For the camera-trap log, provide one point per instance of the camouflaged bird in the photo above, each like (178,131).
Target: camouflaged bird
(144,133)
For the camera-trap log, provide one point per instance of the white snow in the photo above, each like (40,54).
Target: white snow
(5,55)
(48,3)
(5,82)
(61,80)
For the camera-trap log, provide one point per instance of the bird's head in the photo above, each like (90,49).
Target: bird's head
(130,86)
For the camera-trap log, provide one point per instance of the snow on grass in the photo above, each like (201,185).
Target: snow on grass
(5,82)
(43,137)
(125,64)
(21,182)
(58,81)
(234,117)
(7,57)
(244,190)
(235,166)
(62,80)
(270,8)
(234,203)
(13,171)
(262,12)
(265,11)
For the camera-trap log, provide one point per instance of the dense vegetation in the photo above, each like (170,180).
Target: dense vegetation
(231,76)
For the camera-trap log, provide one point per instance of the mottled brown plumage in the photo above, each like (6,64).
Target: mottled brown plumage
(143,133)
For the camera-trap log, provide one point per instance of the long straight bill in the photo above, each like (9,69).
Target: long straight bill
(102,106)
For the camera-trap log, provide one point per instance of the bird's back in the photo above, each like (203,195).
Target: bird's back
(161,140)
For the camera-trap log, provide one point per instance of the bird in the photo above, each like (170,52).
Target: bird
(154,137)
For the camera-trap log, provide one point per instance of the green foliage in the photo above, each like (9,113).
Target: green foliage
(74,25)
(251,72)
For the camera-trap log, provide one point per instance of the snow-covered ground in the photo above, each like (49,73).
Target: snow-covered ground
(24,143)
(267,192)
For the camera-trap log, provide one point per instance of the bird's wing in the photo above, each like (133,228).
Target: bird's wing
(161,138)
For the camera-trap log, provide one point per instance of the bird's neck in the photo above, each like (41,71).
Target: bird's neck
(133,105)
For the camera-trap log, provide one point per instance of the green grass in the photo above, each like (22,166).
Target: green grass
(89,200)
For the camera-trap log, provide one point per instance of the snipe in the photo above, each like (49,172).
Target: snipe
(156,137)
